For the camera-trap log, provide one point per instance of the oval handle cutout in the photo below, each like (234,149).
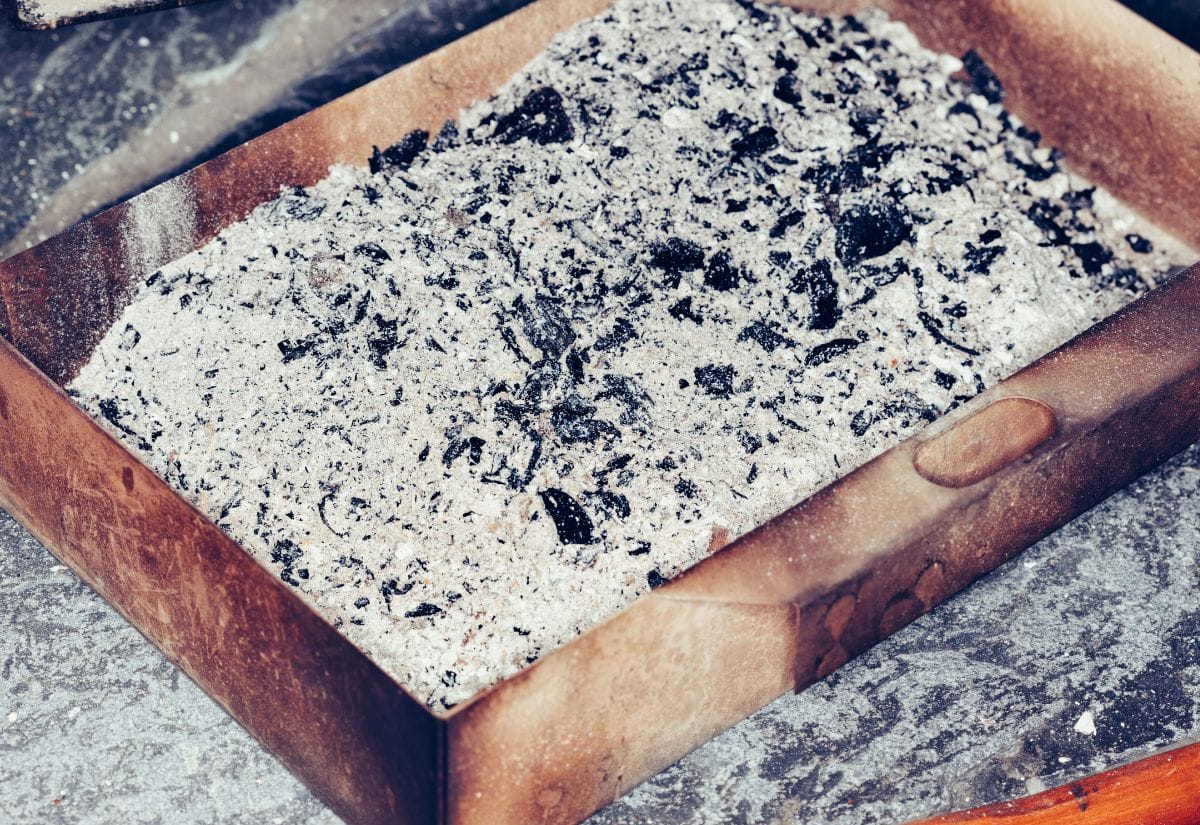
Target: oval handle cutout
(985,442)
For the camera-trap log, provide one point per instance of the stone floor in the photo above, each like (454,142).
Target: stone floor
(975,702)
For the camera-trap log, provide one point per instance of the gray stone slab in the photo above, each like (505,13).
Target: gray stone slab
(97,727)
(69,97)
(94,113)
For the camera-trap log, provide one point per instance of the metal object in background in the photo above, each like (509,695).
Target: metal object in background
(50,14)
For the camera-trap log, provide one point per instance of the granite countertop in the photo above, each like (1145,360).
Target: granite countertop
(975,702)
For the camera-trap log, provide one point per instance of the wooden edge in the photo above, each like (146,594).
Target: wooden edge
(1163,789)
(366,748)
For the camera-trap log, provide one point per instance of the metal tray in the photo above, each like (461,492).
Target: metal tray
(773,611)
(50,14)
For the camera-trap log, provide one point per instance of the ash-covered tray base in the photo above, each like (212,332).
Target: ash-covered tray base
(690,266)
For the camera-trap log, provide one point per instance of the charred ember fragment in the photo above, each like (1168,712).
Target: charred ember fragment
(423,609)
(383,341)
(716,380)
(982,78)
(721,274)
(570,521)
(291,350)
(829,350)
(979,259)
(676,255)
(755,143)
(871,230)
(766,337)
(287,553)
(540,118)
(399,155)
(817,280)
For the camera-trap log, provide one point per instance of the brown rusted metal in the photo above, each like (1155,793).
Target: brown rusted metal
(782,606)
(985,442)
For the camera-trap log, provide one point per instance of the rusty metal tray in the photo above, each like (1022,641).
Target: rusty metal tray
(773,611)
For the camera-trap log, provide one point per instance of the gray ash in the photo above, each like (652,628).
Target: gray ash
(696,261)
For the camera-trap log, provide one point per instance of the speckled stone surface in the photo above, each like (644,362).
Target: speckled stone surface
(976,701)
(96,726)
(56,119)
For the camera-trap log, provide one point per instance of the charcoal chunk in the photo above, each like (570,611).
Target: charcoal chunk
(1093,255)
(287,553)
(622,332)
(373,251)
(540,118)
(676,255)
(716,380)
(545,325)
(765,337)
(1139,244)
(399,155)
(755,143)
(983,80)
(823,353)
(721,274)
(870,230)
(573,422)
(817,280)
(383,341)
(979,259)
(787,89)
(570,521)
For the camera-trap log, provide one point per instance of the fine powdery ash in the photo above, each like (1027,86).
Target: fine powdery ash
(697,260)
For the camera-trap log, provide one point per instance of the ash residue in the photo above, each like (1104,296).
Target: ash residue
(696,261)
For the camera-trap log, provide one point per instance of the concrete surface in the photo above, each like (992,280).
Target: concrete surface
(973,703)
(94,113)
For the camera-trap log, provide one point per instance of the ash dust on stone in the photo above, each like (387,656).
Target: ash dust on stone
(694,262)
